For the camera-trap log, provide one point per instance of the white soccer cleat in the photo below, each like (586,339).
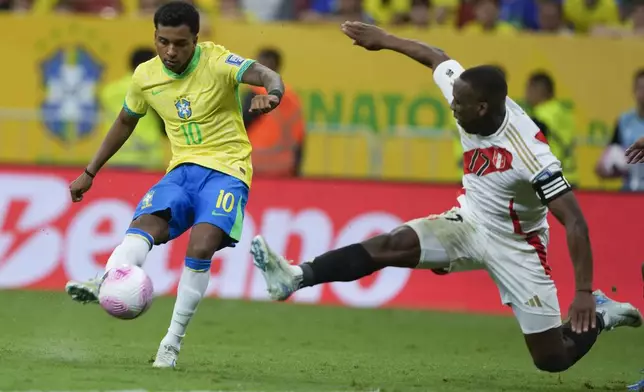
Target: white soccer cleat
(281,282)
(166,357)
(84,292)
(616,314)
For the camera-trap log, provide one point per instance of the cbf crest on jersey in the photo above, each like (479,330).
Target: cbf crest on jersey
(147,200)
(184,109)
(70,77)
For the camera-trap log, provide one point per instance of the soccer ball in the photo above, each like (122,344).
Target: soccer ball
(126,292)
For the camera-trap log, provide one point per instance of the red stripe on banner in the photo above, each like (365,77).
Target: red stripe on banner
(45,239)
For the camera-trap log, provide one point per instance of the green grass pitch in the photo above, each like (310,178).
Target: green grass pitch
(47,342)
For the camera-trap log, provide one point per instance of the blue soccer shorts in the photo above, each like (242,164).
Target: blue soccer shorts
(194,194)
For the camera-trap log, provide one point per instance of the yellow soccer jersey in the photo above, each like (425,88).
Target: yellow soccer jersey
(200,108)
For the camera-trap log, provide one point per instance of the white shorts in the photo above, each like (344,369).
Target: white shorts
(517,264)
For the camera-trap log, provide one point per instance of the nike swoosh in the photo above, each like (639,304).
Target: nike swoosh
(157,92)
(218,214)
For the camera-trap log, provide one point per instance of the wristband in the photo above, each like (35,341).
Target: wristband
(585,290)
(89,174)
(276,93)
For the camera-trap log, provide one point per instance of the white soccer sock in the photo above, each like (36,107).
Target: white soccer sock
(132,251)
(192,287)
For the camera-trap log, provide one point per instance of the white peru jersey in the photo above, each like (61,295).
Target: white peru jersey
(509,176)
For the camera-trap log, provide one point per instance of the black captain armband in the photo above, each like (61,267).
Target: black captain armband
(552,186)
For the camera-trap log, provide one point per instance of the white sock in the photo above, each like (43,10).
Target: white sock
(132,251)
(192,288)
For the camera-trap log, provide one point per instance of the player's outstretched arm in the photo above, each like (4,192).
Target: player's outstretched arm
(119,132)
(259,75)
(567,211)
(372,37)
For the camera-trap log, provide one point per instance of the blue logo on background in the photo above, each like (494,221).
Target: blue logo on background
(70,109)
(184,110)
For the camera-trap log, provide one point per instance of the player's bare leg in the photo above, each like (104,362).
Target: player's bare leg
(205,240)
(558,349)
(143,233)
(400,248)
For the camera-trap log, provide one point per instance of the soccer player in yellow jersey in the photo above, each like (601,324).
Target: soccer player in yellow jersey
(193,88)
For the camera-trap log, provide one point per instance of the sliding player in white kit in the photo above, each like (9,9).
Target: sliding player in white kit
(510,181)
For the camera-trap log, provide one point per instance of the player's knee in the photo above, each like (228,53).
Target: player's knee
(205,240)
(552,363)
(198,265)
(401,239)
(381,245)
(155,226)
(202,250)
(400,248)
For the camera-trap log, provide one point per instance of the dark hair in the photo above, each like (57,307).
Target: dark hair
(140,56)
(501,69)
(177,13)
(638,75)
(488,82)
(273,54)
(543,78)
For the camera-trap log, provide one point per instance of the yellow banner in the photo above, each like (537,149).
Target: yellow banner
(49,108)
(378,110)
(369,114)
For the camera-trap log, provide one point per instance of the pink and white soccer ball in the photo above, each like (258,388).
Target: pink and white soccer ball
(126,292)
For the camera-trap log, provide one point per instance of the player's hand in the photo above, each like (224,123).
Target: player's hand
(582,312)
(79,186)
(368,36)
(635,153)
(263,103)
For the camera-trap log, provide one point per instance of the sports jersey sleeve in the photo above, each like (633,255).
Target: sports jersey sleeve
(231,66)
(135,104)
(545,171)
(445,75)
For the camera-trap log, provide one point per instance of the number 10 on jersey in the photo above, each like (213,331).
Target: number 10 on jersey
(192,133)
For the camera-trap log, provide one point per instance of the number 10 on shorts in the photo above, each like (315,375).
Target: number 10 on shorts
(225,201)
